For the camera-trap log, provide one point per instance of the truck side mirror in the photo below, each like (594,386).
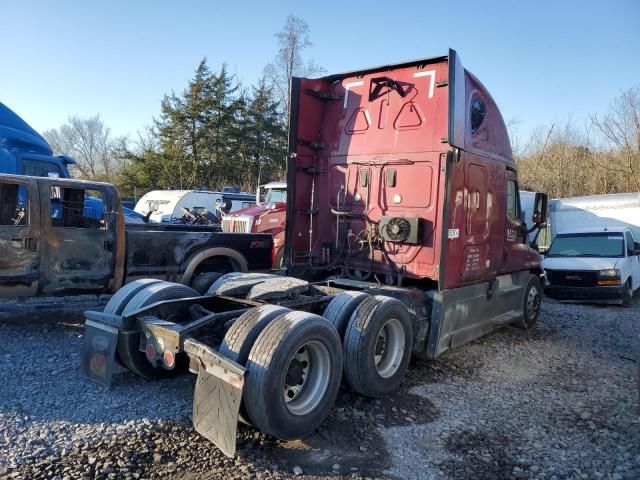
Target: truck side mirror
(636,248)
(540,209)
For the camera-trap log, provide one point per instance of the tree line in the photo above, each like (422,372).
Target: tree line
(602,156)
(216,132)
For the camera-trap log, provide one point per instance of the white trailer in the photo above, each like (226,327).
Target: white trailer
(574,213)
(168,205)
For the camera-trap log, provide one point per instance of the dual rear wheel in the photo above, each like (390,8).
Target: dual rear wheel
(132,297)
(295,360)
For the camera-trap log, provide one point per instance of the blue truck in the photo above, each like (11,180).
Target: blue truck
(23,151)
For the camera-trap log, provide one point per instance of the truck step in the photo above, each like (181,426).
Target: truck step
(507,317)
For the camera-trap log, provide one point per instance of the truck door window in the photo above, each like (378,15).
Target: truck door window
(38,168)
(77,208)
(13,204)
(513,206)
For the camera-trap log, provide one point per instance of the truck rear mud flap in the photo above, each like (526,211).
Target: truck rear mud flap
(97,358)
(217,396)
(218,392)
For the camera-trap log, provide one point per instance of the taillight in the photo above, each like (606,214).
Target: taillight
(169,359)
(151,351)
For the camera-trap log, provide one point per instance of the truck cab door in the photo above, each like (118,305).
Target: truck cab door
(19,237)
(80,239)
(514,249)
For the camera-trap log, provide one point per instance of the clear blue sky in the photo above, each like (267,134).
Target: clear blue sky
(542,60)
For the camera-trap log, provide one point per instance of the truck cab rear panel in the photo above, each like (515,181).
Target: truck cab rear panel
(400,171)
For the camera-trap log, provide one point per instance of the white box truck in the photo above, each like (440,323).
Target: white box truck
(594,254)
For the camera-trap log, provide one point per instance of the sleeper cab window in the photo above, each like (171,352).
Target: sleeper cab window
(478,112)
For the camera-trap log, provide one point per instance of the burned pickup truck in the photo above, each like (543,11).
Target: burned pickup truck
(52,242)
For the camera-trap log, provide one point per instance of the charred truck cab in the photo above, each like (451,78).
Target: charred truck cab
(403,237)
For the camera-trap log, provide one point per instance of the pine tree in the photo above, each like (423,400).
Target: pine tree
(211,135)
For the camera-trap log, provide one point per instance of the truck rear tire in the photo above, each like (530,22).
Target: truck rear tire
(341,307)
(293,377)
(128,348)
(123,296)
(531,305)
(377,346)
(243,333)
(203,281)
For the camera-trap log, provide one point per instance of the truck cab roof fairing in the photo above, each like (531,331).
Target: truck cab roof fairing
(16,133)
(490,138)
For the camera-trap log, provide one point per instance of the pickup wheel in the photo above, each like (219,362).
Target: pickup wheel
(278,262)
(128,348)
(627,296)
(243,333)
(123,296)
(341,307)
(204,280)
(377,346)
(531,306)
(294,372)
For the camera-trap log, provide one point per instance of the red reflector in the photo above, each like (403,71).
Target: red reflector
(151,351)
(169,359)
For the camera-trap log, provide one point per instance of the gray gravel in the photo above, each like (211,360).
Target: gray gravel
(560,402)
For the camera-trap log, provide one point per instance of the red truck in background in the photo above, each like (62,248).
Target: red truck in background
(268,215)
(404,236)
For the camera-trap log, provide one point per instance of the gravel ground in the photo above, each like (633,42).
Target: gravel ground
(559,402)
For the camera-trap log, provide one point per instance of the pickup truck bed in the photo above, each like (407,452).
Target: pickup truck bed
(166,251)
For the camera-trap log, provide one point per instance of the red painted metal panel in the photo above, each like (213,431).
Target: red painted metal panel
(373,144)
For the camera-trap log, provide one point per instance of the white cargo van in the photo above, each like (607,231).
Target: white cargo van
(594,255)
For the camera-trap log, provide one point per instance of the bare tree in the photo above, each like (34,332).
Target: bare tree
(620,129)
(514,136)
(292,39)
(91,144)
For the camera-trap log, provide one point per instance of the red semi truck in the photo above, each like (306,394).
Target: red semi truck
(403,237)
(266,216)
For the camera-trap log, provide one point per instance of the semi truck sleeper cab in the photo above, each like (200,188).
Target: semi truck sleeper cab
(403,237)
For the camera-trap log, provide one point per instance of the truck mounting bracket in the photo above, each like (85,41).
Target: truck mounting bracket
(323,95)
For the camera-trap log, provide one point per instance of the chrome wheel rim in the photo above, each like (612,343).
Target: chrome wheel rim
(307,378)
(389,348)
(533,303)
